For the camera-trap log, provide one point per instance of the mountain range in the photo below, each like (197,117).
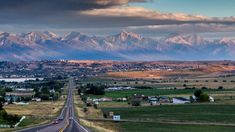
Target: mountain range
(123,46)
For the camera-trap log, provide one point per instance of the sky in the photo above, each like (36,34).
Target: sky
(101,17)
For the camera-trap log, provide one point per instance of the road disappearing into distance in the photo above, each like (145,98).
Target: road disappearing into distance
(66,121)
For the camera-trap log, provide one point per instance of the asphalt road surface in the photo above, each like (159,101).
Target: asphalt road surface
(66,121)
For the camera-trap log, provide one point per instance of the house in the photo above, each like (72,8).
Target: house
(36,99)
(211,99)
(153,101)
(121,99)
(104,99)
(180,100)
(17,95)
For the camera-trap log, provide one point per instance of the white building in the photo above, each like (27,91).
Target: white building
(180,100)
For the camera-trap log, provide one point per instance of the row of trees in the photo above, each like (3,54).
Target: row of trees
(51,89)
(95,89)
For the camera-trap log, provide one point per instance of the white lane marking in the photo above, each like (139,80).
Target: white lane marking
(81,126)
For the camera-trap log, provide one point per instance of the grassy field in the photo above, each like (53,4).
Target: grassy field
(155,127)
(36,112)
(208,117)
(157,118)
(192,112)
(40,109)
(92,113)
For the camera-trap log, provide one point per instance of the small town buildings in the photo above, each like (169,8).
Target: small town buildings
(14,96)
(104,99)
(153,101)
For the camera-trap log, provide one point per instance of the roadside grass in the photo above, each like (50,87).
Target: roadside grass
(39,109)
(36,113)
(31,121)
(92,113)
(27,122)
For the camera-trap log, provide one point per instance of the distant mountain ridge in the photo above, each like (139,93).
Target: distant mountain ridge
(122,46)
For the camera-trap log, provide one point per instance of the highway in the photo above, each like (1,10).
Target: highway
(67,120)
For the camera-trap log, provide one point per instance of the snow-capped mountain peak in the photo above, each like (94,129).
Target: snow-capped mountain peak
(129,35)
(51,34)
(185,39)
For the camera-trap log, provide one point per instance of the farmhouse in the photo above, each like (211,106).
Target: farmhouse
(104,99)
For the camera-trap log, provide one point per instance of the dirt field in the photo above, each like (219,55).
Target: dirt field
(39,109)
(205,71)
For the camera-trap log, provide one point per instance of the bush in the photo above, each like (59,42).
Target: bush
(95,106)
(27,99)
(203,98)
(136,102)
(45,97)
(204,87)
(85,109)
(220,87)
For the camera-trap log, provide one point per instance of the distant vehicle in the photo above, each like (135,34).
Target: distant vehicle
(61,118)
(55,122)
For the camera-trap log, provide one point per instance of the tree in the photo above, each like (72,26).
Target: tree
(56,96)
(45,97)
(1,106)
(220,87)
(11,101)
(197,93)
(8,90)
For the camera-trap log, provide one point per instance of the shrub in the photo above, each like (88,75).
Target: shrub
(204,87)
(136,102)
(203,98)
(220,87)
(85,109)
(45,97)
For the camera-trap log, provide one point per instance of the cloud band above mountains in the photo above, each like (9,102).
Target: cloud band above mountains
(94,14)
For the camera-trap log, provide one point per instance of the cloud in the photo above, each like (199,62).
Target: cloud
(140,12)
(100,14)
(28,6)
(182,29)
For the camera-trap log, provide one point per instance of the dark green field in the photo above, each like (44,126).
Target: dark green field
(157,118)
(192,112)
(155,127)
